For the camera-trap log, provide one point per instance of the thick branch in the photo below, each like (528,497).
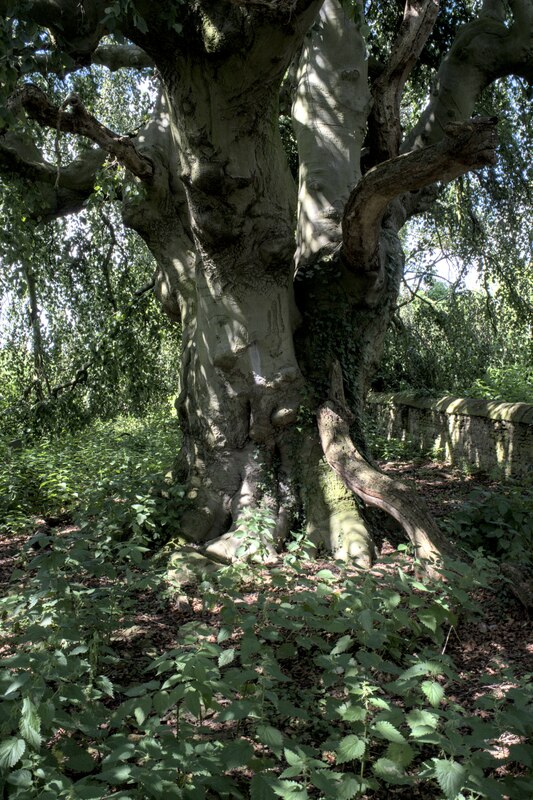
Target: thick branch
(112,56)
(465,147)
(78,121)
(384,122)
(116,56)
(59,194)
(329,116)
(483,51)
(77,26)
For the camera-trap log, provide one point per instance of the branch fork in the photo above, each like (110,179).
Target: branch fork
(79,121)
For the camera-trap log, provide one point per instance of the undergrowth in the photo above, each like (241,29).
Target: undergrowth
(498,523)
(332,685)
(291,681)
(106,469)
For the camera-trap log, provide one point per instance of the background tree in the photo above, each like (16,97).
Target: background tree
(270,332)
(82,335)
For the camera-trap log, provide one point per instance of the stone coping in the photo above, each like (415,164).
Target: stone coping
(466,406)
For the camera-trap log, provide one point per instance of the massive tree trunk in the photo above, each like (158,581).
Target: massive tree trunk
(280,337)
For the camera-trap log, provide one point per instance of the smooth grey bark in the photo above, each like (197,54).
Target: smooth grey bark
(329,116)
(485,49)
(241,384)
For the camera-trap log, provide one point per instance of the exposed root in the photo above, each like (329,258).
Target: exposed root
(333,519)
(372,486)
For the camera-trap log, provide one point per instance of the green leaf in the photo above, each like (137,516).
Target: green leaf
(428,619)
(344,643)
(289,790)
(226,657)
(350,748)
(366,619)
(271,737)
(105,685)
(291,772)
(261,787)
(421,668)
(422,722)
(350,786)
(161,702)
(30,723)
(325,575)
(17,682)
(11,751)
(433,691)
(401,754)
(21,777)
(389,732)
(77,758)
(450,775)
(352,713)
(142,709)
(116,775)
(388,770)
(292,758)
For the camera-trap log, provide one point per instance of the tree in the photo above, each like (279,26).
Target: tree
(279,340)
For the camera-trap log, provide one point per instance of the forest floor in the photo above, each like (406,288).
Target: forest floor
(492,649)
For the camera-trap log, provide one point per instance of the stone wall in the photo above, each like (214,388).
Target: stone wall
(483,433)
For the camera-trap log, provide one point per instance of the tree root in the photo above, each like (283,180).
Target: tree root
(372,486)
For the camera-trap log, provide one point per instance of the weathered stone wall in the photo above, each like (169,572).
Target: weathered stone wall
(484,433)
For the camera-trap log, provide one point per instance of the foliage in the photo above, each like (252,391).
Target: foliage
(312,685)
(101,349)
(470,341)
(511,383)
(99,345)
(111,465)
(328,682)
(499,523)
(447,341)
(391,448)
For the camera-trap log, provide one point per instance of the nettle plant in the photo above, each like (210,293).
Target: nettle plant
(499,523)
(332,685)
(110,469)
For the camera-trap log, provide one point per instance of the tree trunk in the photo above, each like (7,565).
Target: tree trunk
(255,359)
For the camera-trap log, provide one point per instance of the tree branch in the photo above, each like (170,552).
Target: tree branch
(112,56)
(20,157)
(483,50)
(116,56)
(384,121)
(78,121)
(466,146)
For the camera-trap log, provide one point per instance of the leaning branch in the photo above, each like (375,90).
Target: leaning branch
(73,117)
(465,147)
(384,121)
